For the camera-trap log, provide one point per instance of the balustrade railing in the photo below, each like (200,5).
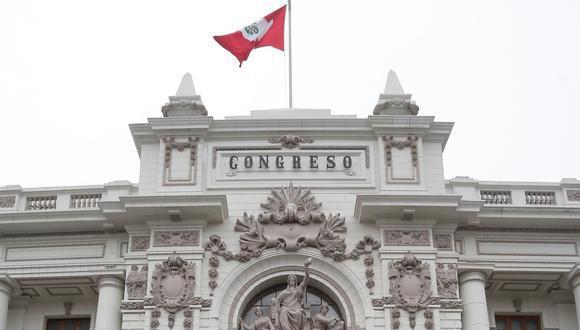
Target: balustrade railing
(85,201)
(40,203)
(540,198)
(496,197)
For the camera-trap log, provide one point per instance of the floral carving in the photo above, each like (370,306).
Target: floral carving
(453,304)
(179,238)
(447,280)
(443,242)
(140,243)
(7,201)
(137,282)
(290,141)
(390,143)
(132,305)
(172,287)
(410,283)
(407,237)
(170,144)
(573,195)
(397,103)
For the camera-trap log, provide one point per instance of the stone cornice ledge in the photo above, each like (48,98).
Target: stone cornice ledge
(214,207)
(190,126)
(368,206)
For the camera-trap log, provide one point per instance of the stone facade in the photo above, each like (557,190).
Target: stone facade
(221,223)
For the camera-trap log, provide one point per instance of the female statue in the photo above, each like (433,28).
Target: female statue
(261,323)
(287,310)
(321,322)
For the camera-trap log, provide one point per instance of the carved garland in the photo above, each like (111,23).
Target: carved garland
(170,144)
(390,142)
(290,141)
(291,222)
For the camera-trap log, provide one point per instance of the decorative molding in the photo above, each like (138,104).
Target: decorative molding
(410,286)
(518,230)
(447,280)
(289,205)
(132,305)
(140,243)
(60,234)
(172,287)
(366,246)
(573,195)
(452,304)
(7,201)
(170,144)
(176,238)
(380,302)
(396,103)
(407,237)
(188,320)
(443,241)
(389,144)
(136,282)
(290,141)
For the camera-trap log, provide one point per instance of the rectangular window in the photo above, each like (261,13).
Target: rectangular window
(68,324)
(517,322)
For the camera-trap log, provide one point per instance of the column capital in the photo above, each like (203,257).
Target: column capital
(111,280)
(573,277)
(473,275)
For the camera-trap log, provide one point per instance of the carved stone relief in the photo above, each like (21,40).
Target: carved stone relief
(452,304)
(410,285)
(290,141)
(396,103)
(447,280)
(176,238)
(389,144)
(170,144)
(573,195)
(172,288)
(132,305)
(137,283)
(140,243)
(407,237)
(7,201)
(443,242)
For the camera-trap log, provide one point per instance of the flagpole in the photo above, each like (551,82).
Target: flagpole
(289,54)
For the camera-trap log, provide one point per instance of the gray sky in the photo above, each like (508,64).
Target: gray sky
(74,74)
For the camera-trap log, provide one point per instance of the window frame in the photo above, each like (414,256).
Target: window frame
(521,317)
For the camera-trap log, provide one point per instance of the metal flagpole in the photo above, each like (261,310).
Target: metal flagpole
(289,54)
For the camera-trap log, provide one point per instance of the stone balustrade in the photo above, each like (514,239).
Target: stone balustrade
(517,194)
(17,199)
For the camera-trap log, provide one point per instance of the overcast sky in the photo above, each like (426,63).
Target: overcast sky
(74,74)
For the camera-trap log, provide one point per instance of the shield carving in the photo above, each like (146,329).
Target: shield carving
(173,284)
(410,283)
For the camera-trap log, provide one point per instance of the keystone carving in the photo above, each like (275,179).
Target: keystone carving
(410,284)
(179,238)
(291,205)
(7,201)
(137,283)
(172,288)
(407,237)
(447,280)
(290,141)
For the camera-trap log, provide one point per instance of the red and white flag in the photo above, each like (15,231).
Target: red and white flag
(267,31)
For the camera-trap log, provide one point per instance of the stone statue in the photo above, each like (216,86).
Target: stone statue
(287,310)
(261,323)
(322,322)
(137,283)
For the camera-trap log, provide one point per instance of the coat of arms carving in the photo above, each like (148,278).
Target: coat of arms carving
(172,286)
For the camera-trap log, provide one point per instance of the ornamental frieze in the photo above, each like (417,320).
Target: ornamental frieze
(447,280)
(176,238)
(407,237)
(290,141)
(136,283)
(140,243)
(573,195)
(7,201)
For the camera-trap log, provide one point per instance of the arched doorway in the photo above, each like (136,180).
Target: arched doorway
(313,300)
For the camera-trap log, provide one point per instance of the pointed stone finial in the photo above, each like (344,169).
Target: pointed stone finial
(185,102)
(394,101)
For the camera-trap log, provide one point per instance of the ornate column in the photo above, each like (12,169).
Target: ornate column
(472,292)
(5,293)
(109,306)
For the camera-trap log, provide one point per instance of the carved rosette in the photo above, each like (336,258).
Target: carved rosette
(172,288)
(447,281)
(410,284)
(290,141)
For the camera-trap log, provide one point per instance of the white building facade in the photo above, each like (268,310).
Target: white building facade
(226,211)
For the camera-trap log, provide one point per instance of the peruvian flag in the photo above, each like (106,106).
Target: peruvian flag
(267,31)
